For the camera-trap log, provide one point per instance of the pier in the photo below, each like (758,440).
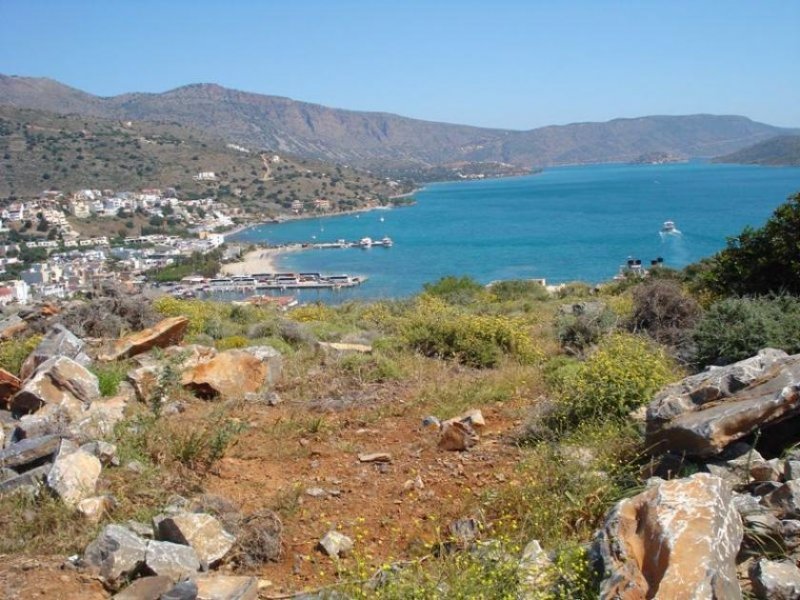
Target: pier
(363,243)
(190,286)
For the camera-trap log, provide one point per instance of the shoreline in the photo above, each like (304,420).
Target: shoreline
(287,218)
(260,260)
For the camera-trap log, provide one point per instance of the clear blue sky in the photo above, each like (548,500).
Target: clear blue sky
(503,64)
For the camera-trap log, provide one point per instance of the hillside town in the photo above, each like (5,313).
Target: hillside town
(43,253)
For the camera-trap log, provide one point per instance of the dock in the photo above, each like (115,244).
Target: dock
(364,243)
(266,282)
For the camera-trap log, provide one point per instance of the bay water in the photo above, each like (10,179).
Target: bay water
(563,224)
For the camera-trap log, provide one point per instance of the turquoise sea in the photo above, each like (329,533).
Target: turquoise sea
(564,224)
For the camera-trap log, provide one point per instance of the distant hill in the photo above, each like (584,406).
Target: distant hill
(778,151)
(385,141)
(41,150)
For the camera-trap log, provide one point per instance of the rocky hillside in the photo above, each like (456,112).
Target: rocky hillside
(386,141)
(781,151)
(42,150)
(471,442)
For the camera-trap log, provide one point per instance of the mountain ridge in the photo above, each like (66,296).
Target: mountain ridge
(780,151)
(385,141)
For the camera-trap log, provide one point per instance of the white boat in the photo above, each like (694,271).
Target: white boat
(365,242)
(668,228)
(387,242)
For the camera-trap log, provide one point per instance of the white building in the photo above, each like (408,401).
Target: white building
(80,209)
(14,212)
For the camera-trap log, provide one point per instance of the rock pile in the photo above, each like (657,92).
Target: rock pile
(52,423)
(53,408)
(733,528)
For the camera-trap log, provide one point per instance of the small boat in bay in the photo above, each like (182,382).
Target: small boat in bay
(668,228)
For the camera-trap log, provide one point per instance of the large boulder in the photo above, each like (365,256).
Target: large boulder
(59,341)
(116,554)
(234,373)
(677,537)
(201,531)
(58,381)
(702,414)
(161,335)
(74,474)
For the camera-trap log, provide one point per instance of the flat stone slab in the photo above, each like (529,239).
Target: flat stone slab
(163,334)
(27,451)
(146,588)
(701,416)
(373,457)
(173,560)
(33,477)
(226,587)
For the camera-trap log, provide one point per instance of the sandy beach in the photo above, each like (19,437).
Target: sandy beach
(260,260)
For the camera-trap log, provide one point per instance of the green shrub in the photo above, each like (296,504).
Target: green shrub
(454,290)
(584,325)
(196,444)
(490,572)
(215,319)
(198,312)
(664,311)
(623,373)
(737,328)
(761,261)
(574,290)
(371,368)
(231,342)
(109,376)
(13,352)
(434,329)
(519,289)
(201,446)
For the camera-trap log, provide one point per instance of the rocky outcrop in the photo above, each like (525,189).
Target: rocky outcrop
(677,539)
(59,381)
(702,414)
(59,341)
(165,333)
(234,373)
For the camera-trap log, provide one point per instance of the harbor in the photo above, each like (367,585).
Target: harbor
(190,287)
